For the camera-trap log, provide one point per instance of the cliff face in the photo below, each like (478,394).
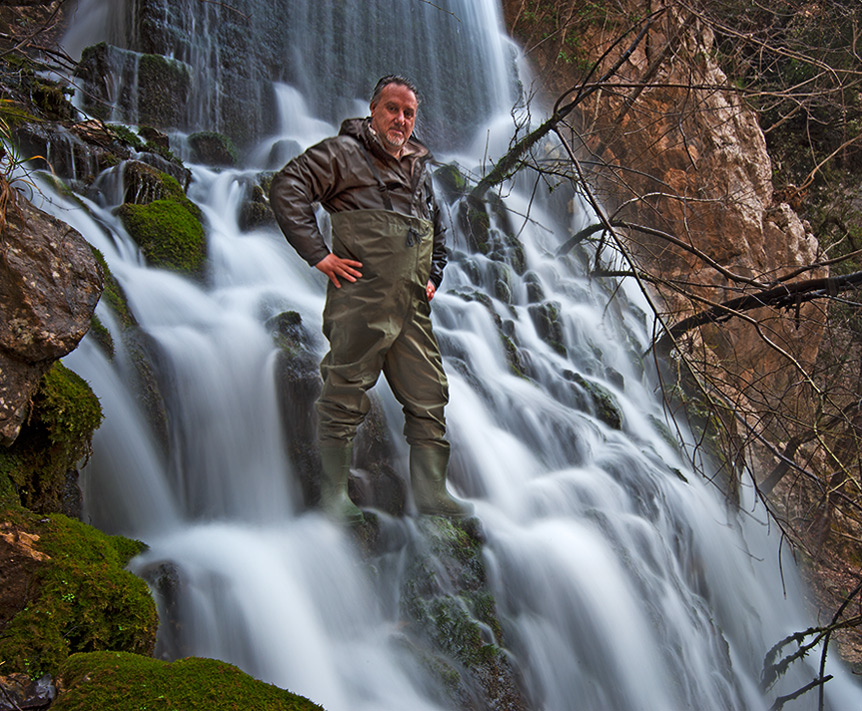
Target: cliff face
(680,153)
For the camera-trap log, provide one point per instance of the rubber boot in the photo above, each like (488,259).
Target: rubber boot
(334,499)
(428,477)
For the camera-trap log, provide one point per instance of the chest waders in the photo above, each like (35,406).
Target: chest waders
(382,323)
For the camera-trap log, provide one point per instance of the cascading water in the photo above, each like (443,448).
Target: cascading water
(621,580)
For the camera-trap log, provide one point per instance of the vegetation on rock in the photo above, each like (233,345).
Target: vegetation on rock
(213,148)
(106,681)
(76,597)
(453,617)
(57,436)
(169,234)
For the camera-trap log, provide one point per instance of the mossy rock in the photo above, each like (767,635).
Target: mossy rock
(102,336)
(546,319)
(113,294)
(58,434)
(164,85)
(114,681)
(213,148)
(453,183)
(66,590)
(605,405)
(170,235)
(145,184)
(453,617)
(256,211)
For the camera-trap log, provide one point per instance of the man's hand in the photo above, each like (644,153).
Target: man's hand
(335,267)
(430,290)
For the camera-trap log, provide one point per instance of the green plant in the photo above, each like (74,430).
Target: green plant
(11,160)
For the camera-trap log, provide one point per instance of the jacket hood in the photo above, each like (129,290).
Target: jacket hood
(360,129)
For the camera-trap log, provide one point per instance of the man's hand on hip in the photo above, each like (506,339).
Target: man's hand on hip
(430,290)
(335,267)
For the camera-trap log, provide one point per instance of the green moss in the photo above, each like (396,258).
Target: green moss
(168,233)
(447,596)
(213,148)
(113,293)
(82,599)
(126,135)
(606,407)
(9,464)
(58,433)
(102,336)
(452,181)
(110,681)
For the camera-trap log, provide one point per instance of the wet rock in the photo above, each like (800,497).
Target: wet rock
(148,89)
(20,693)
(50,283)
(452,623)
(42,462)
(77,594)
(604,405)
(452,182)
(374,480)
(170,233)
(145,183)
(297,383)
(212,148)
(256,211)
(165,579)
(546,318)
(281,152)
(154,136)
(78,153)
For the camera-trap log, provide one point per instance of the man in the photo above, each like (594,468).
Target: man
(387,260)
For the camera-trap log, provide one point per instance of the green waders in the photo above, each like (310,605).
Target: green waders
(382,322)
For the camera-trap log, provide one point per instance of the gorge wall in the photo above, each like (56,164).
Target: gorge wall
(669,145)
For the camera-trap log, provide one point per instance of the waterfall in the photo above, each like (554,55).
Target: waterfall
(621,579)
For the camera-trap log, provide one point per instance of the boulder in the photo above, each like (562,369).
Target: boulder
(50,284)
(212,148)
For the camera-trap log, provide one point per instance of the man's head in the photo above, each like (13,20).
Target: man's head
(393,112)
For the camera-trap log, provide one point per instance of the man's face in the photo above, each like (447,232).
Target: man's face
(393,116)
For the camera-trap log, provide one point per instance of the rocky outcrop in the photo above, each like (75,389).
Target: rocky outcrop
(50,283)
(680,153)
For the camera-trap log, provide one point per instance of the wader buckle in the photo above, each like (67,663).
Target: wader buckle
(413,236)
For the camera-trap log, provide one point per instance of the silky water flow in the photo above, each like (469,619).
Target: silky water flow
(622,581)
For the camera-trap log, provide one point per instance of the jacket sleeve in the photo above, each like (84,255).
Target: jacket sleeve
(305,180)
(439,253)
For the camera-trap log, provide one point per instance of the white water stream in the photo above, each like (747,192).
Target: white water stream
(621,585)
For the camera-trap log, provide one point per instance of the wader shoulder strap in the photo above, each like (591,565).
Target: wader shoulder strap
(381,186)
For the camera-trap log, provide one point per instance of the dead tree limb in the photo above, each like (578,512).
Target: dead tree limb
(784,296)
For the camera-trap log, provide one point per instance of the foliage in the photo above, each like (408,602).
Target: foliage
(11,160)
(106,681)
(82,599)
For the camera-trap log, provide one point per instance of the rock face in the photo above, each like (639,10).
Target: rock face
(49,286)
(680,153)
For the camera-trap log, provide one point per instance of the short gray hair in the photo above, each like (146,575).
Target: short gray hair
(393,79)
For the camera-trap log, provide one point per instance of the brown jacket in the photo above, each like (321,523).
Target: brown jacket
(336,174)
